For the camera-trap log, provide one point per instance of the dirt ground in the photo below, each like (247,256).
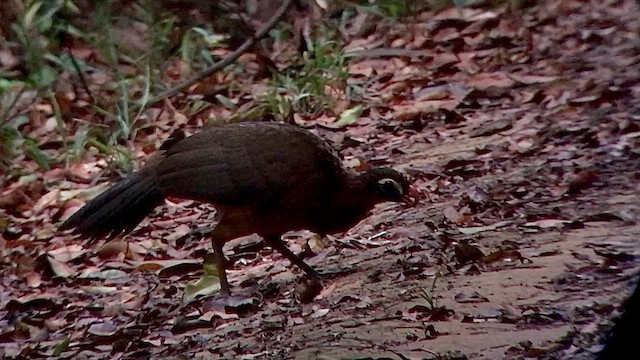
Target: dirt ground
(528,150)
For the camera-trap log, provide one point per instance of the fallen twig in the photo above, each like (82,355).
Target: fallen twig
(222,63)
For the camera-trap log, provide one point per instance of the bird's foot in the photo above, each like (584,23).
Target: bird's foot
(232,304)
(308,289)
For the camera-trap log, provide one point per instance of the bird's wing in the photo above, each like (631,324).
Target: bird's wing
(248,165)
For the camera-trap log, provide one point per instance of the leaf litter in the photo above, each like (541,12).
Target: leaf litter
(520,128)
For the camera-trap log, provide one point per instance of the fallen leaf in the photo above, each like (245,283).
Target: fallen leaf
(59,268)
(452,215)
(547,223)
(491,128)
(349,116)
(482,81)
(46,200)
(470,297)
(532,79)
(320,313)
(84,194)
(106,328)
(178,233)
(478,229)
(209,282)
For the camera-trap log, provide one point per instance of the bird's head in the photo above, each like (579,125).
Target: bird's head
(390,185)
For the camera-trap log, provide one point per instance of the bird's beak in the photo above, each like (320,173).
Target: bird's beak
(412,197)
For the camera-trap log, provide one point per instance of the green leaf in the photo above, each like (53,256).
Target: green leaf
(60,347)
(349,116)
(80,139)
(187,48)
(33,151)
(45,76)
(30,16)
(226,102)
(70,6)
(208,284)
(8,139)
(212,40)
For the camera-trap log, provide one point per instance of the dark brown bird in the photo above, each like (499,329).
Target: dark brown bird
(621,342)
(262,178)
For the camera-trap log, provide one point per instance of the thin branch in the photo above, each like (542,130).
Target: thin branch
(222,63)
(83,81)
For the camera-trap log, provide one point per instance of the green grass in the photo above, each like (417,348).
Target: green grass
(312,84)
(46,32)
(429,295)
(41,35)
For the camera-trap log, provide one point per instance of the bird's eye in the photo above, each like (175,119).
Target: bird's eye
(390,187)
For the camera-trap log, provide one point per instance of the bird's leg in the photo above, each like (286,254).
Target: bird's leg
(220,265)
(310,288)
(218,238)
(276,243)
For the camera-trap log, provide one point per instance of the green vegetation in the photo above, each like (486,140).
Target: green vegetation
(311,89)
(130,65)
(429,295)
(89,70)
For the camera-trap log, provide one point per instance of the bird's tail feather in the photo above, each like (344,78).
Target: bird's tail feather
(117,210)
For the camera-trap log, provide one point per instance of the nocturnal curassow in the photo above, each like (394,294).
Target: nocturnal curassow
(262,178)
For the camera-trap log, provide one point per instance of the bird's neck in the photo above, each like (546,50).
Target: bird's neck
(357,194)
(349,205)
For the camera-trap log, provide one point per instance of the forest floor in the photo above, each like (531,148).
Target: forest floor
(523,130)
